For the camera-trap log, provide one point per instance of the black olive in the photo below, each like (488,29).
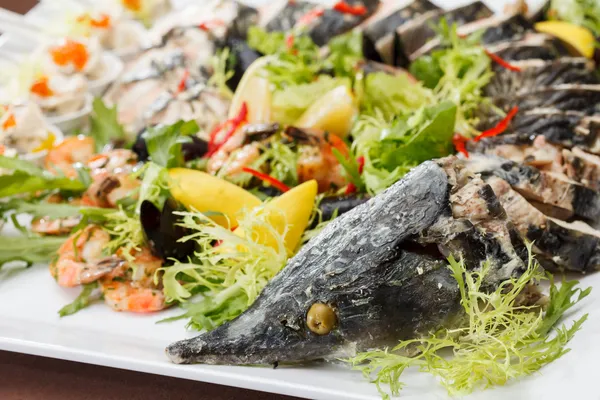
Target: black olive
(162,231)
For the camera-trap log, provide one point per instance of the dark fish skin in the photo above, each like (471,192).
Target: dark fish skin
(339,205)
(564,128)
(333,23)
(535,74)
(379,268)
(574,97)
(288,17)
(546,188)
(532,46)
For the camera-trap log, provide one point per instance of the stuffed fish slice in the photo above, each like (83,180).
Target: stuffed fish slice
(375,275)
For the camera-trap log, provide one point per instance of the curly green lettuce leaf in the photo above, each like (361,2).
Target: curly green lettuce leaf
(458,73)
(105,127)
(220,72)
(230,271)
(391,149)
(584,13)
(164,142)
(26,177)
(345,53)
(89,294)
(499,340)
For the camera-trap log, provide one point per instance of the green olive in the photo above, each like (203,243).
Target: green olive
(321,318)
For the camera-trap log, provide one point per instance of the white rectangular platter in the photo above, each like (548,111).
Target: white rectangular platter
(29,323)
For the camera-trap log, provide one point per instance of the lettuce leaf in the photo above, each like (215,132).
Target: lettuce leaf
(50,210)
(105,126)
(164,142)
(29,250)
(345,53)
(27,177)
(88,295)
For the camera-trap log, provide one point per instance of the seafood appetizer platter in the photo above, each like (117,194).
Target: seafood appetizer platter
(355,199)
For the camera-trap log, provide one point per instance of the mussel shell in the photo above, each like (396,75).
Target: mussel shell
(162,231)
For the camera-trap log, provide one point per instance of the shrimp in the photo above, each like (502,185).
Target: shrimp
(114,161)
(80,259)
(133,289)
(73,150)
(54,226)
(107,190)
(316,159)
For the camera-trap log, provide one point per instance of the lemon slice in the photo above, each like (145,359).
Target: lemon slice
(578,37)
(333,112)
(255,90)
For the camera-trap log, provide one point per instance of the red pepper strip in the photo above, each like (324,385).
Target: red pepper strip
(351,188)
(459,142)
(497,59)
(345,8)
(182,82)
(267,178)
(361,164)
(501,127)
(211,24)
(234,124)
(310,16)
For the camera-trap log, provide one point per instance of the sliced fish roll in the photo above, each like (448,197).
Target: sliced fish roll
(559,196)
(573,97)
(284,15)
(533,45)
(536,73)
(557,244)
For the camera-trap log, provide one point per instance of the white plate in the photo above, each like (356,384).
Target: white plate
(29,323)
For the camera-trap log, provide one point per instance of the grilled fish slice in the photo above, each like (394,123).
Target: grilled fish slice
(565,128)
(533,45)
(416,33)
(379,30)
(282,16)
(560,197)
(378,272)
(573,97)
(535,74)
(495,29)
(557,244)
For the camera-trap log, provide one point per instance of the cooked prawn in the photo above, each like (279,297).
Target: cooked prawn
(316,159)
(107,189)
(113,161)
(133,289)
(54,226)
(73,150)
(80,259)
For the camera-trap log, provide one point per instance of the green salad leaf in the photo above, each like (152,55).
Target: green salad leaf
(88,295)
(164,142)
(345,53)
(105,126)
(27,177)
(500,339)
(50,210)
(391,149)
(29,250)
(231,274)
(221,74)
(584,13)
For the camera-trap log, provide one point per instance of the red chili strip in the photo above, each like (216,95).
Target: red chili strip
(183,81)
(500,127)
(267,178)
(345,8)
(351,188)
(497,59)
(310,16)
(460,142)
(233,123)
(211,24)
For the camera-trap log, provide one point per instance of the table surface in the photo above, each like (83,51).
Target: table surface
(24,377)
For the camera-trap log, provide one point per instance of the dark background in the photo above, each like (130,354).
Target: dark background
(24,377)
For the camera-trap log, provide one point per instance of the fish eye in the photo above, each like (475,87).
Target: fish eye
(321,318)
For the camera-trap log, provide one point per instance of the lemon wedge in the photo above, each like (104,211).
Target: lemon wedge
(334,112)
(578,37)
(254,89)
